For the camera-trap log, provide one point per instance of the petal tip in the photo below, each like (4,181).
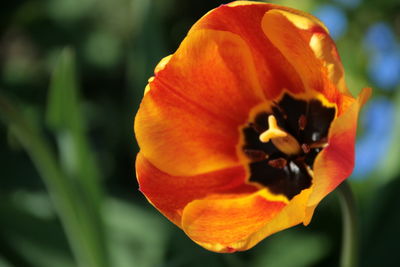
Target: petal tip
(364,95)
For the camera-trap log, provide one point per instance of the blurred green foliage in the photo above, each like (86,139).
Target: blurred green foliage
(68,193)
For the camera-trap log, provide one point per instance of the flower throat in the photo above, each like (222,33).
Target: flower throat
(282,144)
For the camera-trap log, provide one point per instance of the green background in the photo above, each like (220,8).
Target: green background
(72,74)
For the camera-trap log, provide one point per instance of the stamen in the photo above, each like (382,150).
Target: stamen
(281,139)
(306,148)
(255,155)
(282,143)
(279,163)
(302,122)
(320,144)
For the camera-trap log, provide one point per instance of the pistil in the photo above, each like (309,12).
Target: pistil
(282,140)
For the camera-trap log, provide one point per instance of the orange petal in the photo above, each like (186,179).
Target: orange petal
(244,19)
(308,46)
(302,56)
(170,194)
(188,120)
(336,162)
(163,62)
(293,45)
(228,225)
(215,70)
(325,50)
(315,35)
(181,138)
(308,18)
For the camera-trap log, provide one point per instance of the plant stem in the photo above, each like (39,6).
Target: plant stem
(349,253)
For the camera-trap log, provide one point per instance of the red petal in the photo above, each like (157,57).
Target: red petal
(336,162)
(214,70)
(170,194)
(188,122)
(274,71)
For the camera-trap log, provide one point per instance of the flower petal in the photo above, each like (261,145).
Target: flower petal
(215,70)
(308,46)
(336,162)
(175,135)
(223,225)
(325,50)
(294,213)
(170,194)
(294,46)
(228,225)
(187,126)
(244,18)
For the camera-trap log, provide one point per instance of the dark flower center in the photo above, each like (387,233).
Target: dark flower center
(282,144)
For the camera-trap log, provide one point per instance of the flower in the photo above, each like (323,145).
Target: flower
(247,126)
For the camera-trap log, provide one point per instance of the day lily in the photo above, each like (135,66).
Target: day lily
(247,126)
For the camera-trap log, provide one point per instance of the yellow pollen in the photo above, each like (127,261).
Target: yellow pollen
(284,141)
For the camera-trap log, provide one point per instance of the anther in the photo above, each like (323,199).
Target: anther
(302,122)
(320,144)
(279,163)
(305,148)
(255,155)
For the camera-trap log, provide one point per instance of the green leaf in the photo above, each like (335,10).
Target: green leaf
(62,110)
(66,119)
(75,198)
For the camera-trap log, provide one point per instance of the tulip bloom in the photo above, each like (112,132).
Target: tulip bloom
(247,126)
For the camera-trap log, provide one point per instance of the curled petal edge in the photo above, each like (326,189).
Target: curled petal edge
(336,162)
(233,232)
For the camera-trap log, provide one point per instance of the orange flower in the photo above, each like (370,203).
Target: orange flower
(247,126)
